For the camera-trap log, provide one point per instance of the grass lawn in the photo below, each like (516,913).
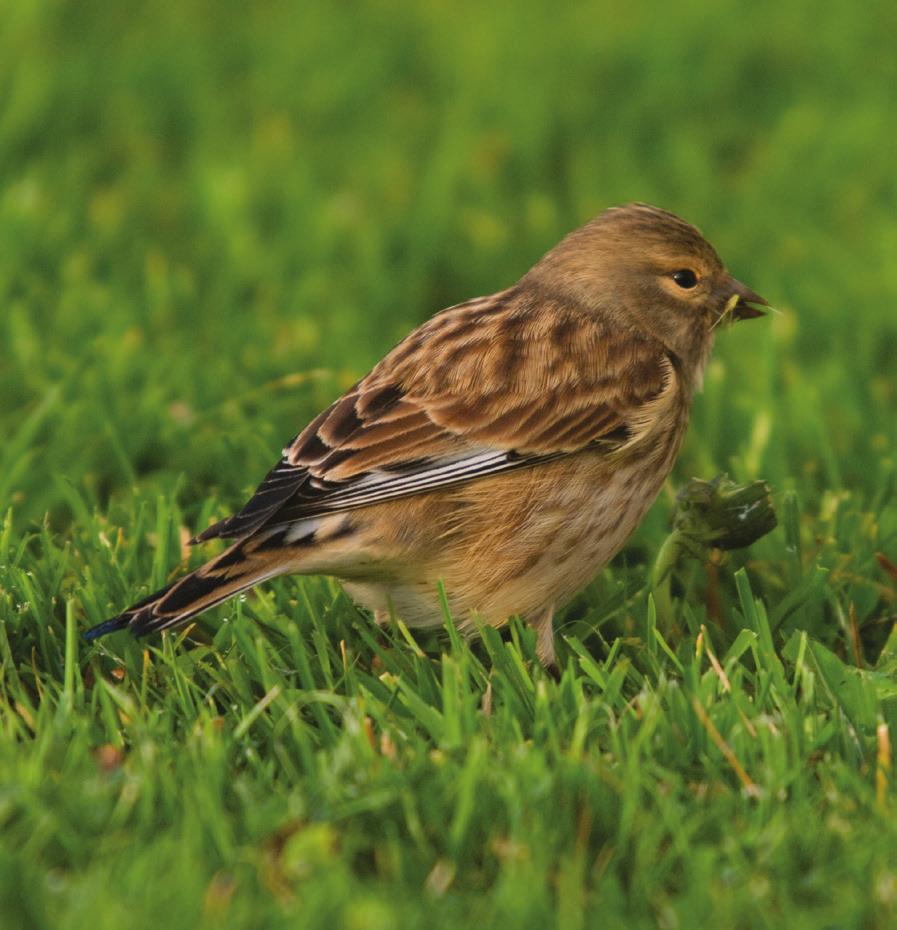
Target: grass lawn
(214,217)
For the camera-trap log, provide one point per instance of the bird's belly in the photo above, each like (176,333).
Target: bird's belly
(575,531)
(510,545)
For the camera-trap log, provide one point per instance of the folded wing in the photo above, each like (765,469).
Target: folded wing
(488,386)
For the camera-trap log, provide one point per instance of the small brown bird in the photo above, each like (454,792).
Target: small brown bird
(507,447)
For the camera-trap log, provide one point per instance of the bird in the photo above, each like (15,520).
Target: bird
(504,450)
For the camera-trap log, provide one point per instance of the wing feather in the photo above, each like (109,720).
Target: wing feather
(488,386)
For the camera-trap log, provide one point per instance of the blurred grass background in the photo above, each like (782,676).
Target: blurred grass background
(213,218)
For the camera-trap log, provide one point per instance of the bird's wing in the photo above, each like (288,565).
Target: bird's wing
(495,384)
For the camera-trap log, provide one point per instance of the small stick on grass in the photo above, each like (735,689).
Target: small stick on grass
(750,786)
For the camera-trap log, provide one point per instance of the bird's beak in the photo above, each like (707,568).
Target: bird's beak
(749,304)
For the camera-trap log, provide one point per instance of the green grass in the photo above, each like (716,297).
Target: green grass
(214,217)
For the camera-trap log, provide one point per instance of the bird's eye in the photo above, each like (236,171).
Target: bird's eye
(685,278)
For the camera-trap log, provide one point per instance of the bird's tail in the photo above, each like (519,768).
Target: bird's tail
(243,565)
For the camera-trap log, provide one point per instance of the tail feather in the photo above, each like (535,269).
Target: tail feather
(241,566)
(107,626)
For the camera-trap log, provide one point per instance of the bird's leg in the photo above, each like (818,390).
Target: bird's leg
(545,653)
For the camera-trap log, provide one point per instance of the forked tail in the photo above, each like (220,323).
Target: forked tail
(242,566)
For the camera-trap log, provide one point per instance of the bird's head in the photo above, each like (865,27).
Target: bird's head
(647,269)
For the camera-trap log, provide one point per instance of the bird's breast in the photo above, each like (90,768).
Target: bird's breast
(512,543)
